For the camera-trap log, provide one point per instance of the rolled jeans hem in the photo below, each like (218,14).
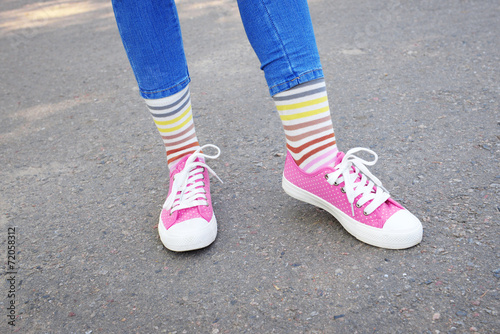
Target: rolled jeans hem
(302,78)
(161,93)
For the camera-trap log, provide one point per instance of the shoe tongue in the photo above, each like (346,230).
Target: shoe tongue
(179,166)
(182,163)
(340,156)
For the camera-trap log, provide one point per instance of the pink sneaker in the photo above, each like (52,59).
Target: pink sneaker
(187,221)
(356,199)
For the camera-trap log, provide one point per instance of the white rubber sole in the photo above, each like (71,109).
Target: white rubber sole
(188,235)
(378,237)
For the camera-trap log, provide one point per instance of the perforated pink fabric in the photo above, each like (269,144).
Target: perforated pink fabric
(316,183)
(201,211)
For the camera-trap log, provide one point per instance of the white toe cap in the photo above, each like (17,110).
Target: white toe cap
(405,228)
(188,235)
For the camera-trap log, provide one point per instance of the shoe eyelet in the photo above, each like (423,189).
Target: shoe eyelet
(335,183)
(342,190)
(357,205)
(366,214)
(326,176)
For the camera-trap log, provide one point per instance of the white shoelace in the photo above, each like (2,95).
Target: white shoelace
(187,188)
(365,186)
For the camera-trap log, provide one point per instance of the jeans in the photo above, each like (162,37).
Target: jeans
(280,32)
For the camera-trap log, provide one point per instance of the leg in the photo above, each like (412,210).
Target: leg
(151,35)
(281,34)
(152,38)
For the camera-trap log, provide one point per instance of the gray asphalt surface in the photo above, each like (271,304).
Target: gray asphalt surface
(83,175)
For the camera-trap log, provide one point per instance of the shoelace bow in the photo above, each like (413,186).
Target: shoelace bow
(359,181)
(188,187)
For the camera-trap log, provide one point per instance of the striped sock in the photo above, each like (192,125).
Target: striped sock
(174,119)
(306,119)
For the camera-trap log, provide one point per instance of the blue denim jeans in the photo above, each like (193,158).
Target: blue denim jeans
(280,32)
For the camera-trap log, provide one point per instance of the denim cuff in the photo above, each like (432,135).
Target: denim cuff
(161,93)
(300,79)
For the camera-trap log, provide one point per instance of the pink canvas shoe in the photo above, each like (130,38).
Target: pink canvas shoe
(356,199)
(187,221)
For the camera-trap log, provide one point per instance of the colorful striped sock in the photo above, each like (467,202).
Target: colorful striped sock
(306,119)
(174,119)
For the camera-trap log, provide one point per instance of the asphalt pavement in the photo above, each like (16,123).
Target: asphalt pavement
(83,176)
